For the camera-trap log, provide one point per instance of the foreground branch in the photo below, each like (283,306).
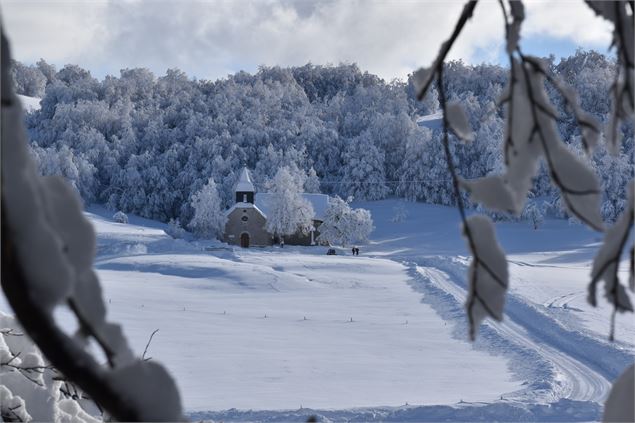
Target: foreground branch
(59,349)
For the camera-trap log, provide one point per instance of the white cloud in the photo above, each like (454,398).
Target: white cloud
(567,19)
(210,39)
(57,30)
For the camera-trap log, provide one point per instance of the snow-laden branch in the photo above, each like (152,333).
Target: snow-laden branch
(531,133)
(488,278)
(607,262)
(425,76)
(48,248)
(488,273)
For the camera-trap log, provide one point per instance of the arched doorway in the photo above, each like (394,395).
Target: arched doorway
(244,240)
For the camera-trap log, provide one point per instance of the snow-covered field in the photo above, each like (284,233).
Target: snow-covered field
(379,336)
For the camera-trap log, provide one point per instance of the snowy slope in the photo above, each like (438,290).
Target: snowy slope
(270,329)
(549,267)
(210,308)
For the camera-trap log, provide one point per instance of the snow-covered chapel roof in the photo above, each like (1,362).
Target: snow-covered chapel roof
(244,183)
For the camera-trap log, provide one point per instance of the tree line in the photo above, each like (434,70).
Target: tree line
(146,144)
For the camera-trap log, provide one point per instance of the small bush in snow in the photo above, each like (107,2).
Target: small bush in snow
(120,217)
(175,230)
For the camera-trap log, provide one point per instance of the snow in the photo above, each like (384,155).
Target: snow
(431,121)
(241,205)
(244,183)
(30,104)
(215,338)
(359,337)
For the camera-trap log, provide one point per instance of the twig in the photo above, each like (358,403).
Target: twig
(143,357)
(7,332)
(466,14)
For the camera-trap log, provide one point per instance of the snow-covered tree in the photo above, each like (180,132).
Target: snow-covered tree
(289,212)
(534,213)
(363,174)
(28,80)
(209,219)
(120,217)
(312,183)
(175,230)
(344,225)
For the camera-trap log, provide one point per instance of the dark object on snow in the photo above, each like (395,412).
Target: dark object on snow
(355,251)
(331,252)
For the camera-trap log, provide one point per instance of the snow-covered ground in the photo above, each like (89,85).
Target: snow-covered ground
(379,336)
(29,103)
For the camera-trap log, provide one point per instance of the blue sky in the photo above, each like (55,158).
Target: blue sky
(212,38)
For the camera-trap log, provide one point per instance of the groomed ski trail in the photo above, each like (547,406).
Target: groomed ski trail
(574,380)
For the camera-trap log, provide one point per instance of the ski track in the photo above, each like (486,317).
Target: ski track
(583,365)
(562,301)
(574,380)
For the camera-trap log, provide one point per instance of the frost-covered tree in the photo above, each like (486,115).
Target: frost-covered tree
(120,217)
(344,225)
(133,125)
(175,230)
(363,172)
(312,183)
(289,212)
(28,80)
(534,213)
(209,219)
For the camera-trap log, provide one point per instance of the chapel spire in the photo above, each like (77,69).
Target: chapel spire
(244,187)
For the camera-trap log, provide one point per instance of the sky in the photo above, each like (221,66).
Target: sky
(211,39)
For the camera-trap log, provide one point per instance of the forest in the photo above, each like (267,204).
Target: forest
(147,144)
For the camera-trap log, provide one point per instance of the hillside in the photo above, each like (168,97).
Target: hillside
(271,329)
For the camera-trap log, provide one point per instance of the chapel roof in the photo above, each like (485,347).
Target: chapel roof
(244,183)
